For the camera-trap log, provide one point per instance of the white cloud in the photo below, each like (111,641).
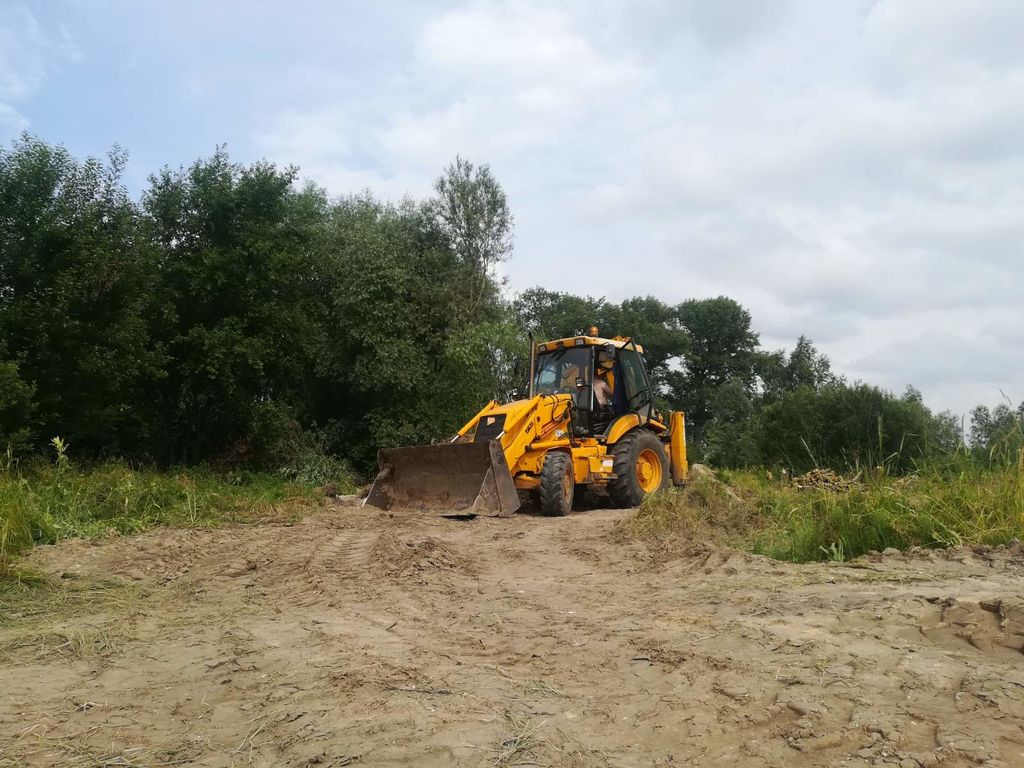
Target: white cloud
(850,170)
(21,62)
(27,54)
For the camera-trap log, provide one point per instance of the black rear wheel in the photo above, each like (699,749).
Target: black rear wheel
(557,484)
(641,468)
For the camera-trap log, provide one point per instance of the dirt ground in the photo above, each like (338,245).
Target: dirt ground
(355,637)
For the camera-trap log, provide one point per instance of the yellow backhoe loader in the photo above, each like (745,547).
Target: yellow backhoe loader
(589,419)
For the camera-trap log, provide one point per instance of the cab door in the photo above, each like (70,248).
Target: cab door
(636,391)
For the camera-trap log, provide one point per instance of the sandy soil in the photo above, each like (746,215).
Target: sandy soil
(358,638)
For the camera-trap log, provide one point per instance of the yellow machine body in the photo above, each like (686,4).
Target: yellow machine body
(504,447)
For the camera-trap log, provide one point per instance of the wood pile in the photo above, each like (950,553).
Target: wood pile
(826,479)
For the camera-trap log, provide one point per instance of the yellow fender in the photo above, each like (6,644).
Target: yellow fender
(621,426)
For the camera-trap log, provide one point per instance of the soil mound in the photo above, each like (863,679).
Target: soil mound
(412,555)
(353,637)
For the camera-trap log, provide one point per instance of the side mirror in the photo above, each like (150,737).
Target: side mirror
(579,382)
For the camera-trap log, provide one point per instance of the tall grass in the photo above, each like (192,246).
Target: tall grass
(960,503)
(705,510)
(928,509)
(47,503)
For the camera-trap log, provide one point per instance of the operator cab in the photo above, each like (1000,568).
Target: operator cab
(606,378)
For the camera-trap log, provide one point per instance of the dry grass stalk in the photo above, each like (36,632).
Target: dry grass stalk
(522,741)
(543,688)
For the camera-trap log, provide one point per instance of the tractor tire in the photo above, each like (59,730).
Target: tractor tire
(557,484)
(641,468)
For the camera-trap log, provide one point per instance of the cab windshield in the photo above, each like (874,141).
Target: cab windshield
(558,370)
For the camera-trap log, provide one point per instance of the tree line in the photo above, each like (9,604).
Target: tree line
(229,311)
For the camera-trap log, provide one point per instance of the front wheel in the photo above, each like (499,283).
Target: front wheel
(641,468)
(557,484)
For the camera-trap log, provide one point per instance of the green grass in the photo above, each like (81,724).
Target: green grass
(704,510)
(44,504)
(929,509)
(957,505)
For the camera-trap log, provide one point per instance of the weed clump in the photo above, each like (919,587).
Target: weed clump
(951,505)
(43,504)
(932,508)
(706,509)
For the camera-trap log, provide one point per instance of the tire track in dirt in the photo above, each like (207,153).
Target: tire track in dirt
(408,639)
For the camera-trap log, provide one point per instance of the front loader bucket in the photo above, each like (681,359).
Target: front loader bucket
(455,478)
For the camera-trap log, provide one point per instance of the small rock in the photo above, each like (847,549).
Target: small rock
(802,708)
(890,551)
(734,692)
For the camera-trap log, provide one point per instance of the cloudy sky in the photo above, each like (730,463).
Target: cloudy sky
(852,170)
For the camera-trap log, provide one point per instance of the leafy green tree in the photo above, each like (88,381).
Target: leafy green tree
(555,315)
(779,372)
(732,434)
(232,309)
(847,427)
(412,363)
(997,434)
(16,406)
(807,367)
(77,297)
(722,350)
(946,435)
(246,292)
(657,326)
(470,210)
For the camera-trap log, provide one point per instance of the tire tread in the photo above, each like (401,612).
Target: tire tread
(625,490)
(552,476)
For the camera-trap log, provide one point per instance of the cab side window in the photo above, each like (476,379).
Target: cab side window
(633,379)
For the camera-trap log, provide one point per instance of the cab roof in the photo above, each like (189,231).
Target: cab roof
(581,341)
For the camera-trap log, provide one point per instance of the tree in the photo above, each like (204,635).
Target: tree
(848,427)
(946,436)
(807,367)
(722,350)
(78,295)
(657,326)
(551,314)
(997,434)
(732,434)
(245,290)
(233,307)
(412,363)
(471,211)
(16,407)
(780,372)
